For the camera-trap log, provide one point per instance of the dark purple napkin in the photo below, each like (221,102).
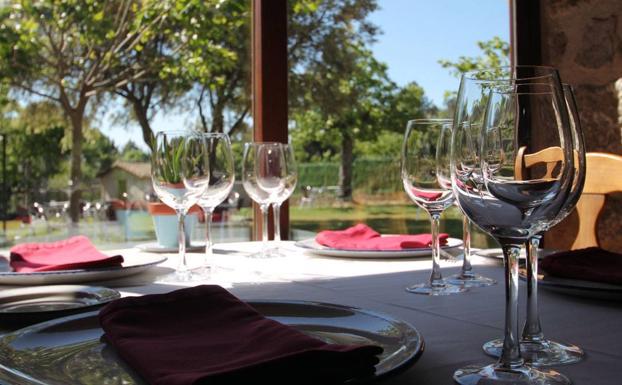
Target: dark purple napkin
(205,335)
(591,264)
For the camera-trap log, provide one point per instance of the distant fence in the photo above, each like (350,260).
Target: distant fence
(369,175)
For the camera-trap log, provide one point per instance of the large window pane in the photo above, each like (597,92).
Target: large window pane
(359,70)
(84,87)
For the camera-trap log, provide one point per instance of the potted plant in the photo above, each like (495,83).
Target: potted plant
(164,217)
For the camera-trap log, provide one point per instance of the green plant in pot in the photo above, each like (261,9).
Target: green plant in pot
(166,166)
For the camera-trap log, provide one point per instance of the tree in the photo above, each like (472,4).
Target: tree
(69,51)
(131,153)
(338,87)
(34,149)
(203,50)
(494,56)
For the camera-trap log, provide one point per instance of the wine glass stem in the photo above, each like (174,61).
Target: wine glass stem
(510,355)
(183,266)
(264,228)
(208,211)
(466,244)
(532,330)
(436,279)
(277,221)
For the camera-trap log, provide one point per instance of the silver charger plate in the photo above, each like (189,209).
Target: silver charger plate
(577,287)
(155,247)
(312,246)
(132,264)
(69,351)
(35,304)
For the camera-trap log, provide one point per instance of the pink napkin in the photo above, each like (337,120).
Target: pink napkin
(73,253)
(363,237)
(205,335)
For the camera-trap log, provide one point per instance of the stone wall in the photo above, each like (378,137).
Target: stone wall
(583,38)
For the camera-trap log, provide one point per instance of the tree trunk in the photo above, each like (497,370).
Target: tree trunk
(218,117)
(345,170)
(143,120)
(76,116)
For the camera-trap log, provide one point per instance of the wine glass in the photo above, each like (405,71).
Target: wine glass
(263,178)
(466,277)
(423,158)
(291,178)
(535,348)
(524,113)
(222,178)
(180,175)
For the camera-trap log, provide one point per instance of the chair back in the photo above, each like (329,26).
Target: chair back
(603,175)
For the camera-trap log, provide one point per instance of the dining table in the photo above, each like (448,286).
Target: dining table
(454,327)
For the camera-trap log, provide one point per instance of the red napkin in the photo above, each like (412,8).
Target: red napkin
(591,264)
(431,196)
(205,335)
(363,237)
(73,253)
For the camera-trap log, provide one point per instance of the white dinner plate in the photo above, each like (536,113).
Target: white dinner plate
(131,265)
(155,247)
(27,305)
(312,246)
(577,287)
(69,350)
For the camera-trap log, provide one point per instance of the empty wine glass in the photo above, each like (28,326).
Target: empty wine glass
(535,348)
(423,158)
(466,277)
(263,178)
(524,113)
(221,180)
(291,178)
(180,175)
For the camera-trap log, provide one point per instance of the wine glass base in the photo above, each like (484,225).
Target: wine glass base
(496,375)
(474,280)
(181,276)
(435,290)
(540,353)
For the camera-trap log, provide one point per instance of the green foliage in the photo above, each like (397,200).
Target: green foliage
(99,153)
(370,174)
(132,153)
(33,142)
(495,54)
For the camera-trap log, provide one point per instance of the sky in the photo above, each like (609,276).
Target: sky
(415,35)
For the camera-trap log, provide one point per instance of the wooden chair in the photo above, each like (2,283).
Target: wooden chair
(603,176)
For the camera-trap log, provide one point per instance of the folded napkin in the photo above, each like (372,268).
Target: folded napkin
(205,335)
(591,264)
(363,237)
(73,253)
